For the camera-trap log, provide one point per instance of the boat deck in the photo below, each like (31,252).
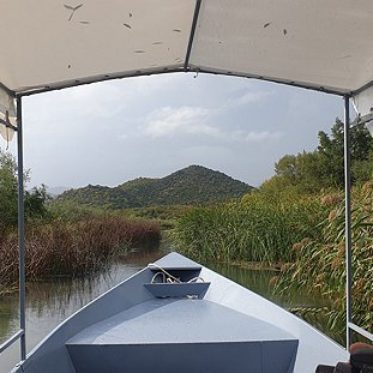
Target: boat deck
(179,321)
(187,333)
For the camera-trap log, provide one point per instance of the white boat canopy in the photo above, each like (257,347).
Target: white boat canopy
(318,44)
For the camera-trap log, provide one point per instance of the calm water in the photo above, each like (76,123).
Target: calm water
(50,302)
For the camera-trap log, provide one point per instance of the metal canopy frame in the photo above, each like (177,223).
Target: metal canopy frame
(348,238)
(186,67)
(180,69)
(21,334)
(350,326)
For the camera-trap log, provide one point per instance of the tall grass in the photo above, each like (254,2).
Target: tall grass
(320,262)
(62,248)
(260,228)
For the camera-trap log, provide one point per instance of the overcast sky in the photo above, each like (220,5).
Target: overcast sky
(111,132)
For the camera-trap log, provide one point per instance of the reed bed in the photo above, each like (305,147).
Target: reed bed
(62,248)
(320,262)
(260,228)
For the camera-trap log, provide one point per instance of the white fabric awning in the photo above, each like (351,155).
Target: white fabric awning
(318,44)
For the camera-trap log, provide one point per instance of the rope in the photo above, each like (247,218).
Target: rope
(165,273)
(167,277)
(195,279)
(156,275)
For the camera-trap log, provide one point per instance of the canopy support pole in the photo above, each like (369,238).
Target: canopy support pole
(21,230)
(192,33)
(348,239)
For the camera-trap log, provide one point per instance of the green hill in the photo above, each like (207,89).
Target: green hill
(191,185)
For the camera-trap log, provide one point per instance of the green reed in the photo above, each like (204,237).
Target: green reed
(320,262)
(259,228)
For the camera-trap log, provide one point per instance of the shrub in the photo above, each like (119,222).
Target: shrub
(80,248)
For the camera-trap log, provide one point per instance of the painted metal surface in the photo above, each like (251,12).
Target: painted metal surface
(314,347)
(361,331)
(348,237)
(235,357)
(51,354)
(21,231)
(176,321)
(230,324)
(12,339)
(197,289)
(175,261)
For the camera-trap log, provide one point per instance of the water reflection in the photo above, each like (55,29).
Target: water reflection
(260,282)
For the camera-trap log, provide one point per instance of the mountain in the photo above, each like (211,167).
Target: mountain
(191,185)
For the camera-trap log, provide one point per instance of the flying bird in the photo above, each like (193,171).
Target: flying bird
(73,9)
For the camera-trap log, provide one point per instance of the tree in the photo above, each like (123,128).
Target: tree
(8,191)
(34,199)
(287,167)
(324,167)
(301,171)
(331,150)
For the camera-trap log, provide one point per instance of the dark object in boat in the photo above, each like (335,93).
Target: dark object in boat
(361,361)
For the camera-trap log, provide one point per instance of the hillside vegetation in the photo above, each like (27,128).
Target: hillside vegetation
(191,185)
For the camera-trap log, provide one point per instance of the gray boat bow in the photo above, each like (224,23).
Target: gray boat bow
(211,326)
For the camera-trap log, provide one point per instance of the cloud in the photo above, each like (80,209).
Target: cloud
(247,98)
(256,136)
(167,121)
(186,120)
(253,97)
